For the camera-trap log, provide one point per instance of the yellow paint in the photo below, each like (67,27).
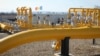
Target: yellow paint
(47,34)
(6,26)
(56,45)
(24,11)
(88,12)
(43,32)
(30,16)
(22,22)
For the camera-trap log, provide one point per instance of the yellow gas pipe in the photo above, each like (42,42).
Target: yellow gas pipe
(47,34)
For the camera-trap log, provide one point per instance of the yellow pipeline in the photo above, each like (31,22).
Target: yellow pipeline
(47,34)
(30,16)
(23,12)
(18,14)
(5,26)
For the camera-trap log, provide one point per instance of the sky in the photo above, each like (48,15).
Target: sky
(47,5)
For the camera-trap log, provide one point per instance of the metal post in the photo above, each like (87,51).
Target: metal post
(93,41)
(65,46)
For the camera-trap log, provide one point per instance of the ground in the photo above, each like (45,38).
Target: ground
(78,47)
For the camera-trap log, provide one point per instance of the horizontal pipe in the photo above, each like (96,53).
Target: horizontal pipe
(20,38)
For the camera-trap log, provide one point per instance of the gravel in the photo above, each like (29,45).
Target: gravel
(78,47)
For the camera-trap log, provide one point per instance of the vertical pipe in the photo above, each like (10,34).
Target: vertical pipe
(93,41)
(25,17)
(75,18)
(30,16)
(93,17)
(98,19)
(22,13)
(44,20)
(18,15)
(87,17)
(18,11)
(39,22)
(90,18)
(69,18)
(65,46)
(82,17)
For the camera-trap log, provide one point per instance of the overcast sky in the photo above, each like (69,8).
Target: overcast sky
(47,5)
